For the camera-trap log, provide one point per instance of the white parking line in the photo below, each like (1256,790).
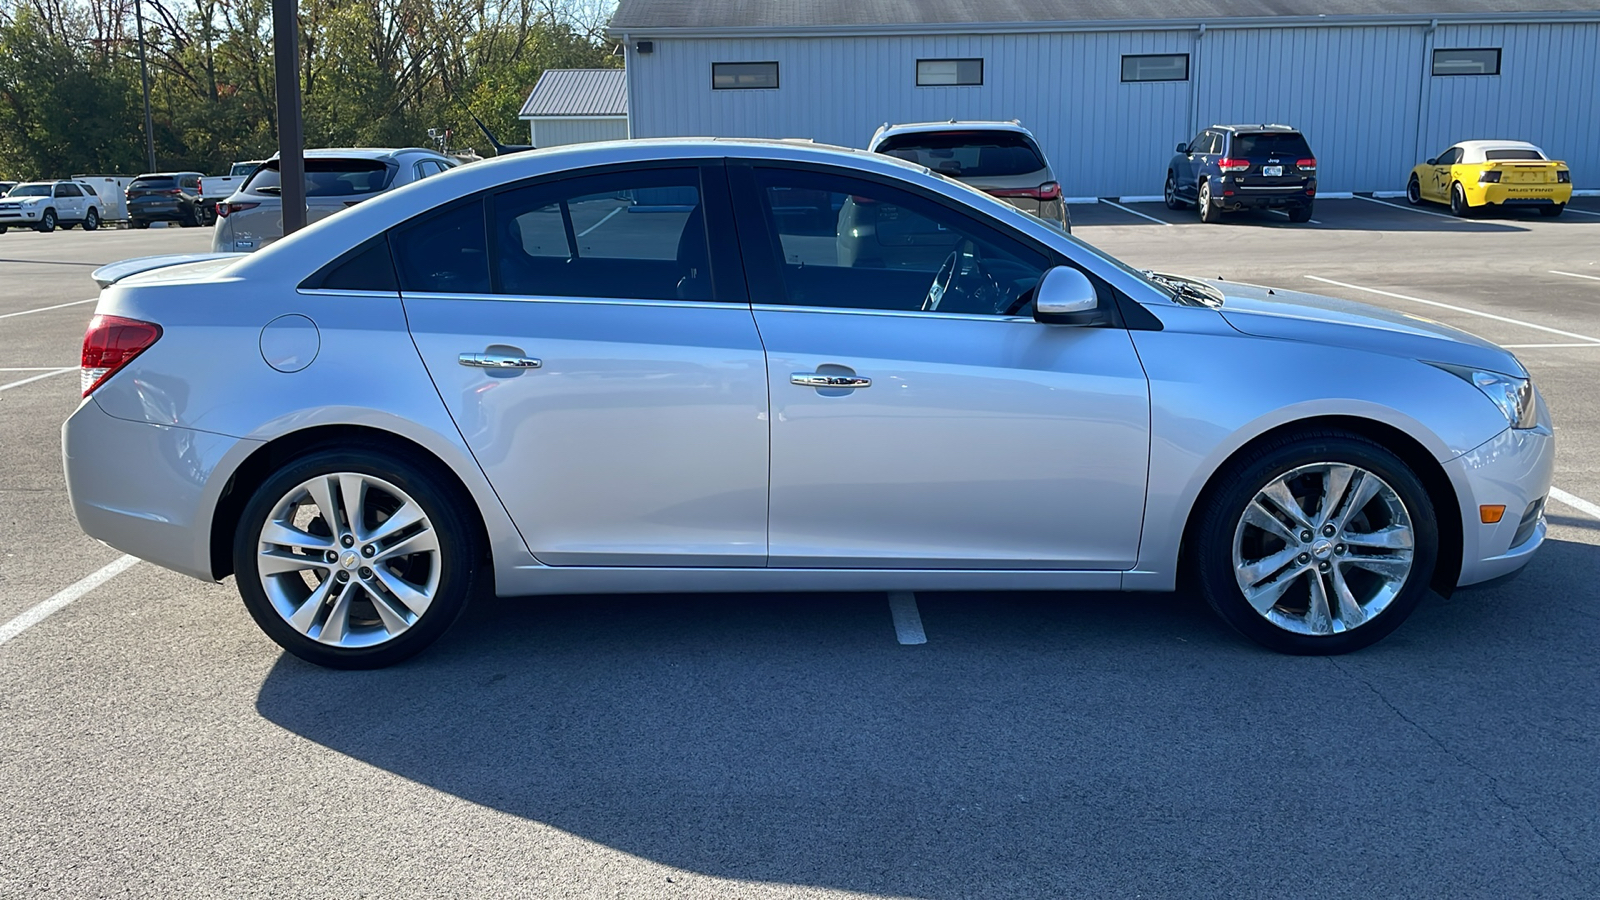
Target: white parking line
(1137,213)
(9,385)
(1577,503)
(39,612)
(1543,346)
(47,308)
(1575,275)
(1286,215)
(1411,209)
(603,220)
(907,621)
(32,368)
(1582,212)
(1460,309)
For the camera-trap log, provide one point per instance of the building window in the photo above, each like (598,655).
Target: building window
(937,72)
(1480,61)
(747,76)
(1157,67)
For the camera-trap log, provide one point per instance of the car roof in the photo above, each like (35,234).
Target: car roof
(1284,129)
(1497,145)
(360,153)
(887,131)
(169,174)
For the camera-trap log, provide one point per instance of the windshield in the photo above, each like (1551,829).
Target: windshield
(1500,155)
(1275,143)
(968,154)
(30,190)
(327,177)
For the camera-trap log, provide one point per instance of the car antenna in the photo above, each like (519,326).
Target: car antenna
(499,148)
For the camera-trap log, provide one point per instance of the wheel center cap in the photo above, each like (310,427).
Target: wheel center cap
(349,559)
(1322,549)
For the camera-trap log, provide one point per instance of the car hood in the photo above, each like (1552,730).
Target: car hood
(1296,316)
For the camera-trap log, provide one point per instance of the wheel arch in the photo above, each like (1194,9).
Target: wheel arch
(1441,492)
(274,454)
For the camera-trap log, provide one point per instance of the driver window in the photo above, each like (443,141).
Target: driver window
(862,245)
(1450,157)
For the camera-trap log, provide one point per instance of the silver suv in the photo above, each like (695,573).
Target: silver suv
(998,158)
(335,179)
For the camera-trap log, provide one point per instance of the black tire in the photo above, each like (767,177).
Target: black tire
(1458,201)
(460,553)
(1414,191)
(1208,210)
(1550,212)
(191,219)
(47,224)
(2,229)
(1236,487)
(140,224)
(1169,194)
(91,220)
(1300,213)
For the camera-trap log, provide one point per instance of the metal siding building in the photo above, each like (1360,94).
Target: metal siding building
(577,106)
(1359,85)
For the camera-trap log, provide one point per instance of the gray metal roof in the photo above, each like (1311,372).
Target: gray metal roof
(782,15)
(578,92)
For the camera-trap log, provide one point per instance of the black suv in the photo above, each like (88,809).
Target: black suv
(1229,167)
(167,197)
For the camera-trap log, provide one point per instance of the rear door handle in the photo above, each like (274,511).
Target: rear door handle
(819,380)
(499,361)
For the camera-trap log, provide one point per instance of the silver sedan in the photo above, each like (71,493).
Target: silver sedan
(712,365)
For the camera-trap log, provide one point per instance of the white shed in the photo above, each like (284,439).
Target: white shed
(577,106)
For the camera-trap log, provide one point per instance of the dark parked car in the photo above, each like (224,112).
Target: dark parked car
(1231,167)
(167,197)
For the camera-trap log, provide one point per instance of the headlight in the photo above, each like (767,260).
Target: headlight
(1513,395)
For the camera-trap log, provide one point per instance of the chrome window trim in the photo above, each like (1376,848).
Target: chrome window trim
(585,301)
(331,292)
(896,313)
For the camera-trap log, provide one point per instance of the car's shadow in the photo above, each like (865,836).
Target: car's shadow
(1040,745)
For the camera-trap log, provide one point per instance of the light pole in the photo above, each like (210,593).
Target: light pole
(291,130)
(144,76)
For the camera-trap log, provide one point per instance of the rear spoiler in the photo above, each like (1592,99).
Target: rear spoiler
(107,275)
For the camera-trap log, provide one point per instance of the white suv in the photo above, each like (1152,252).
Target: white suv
(335,179)
(42,205)
(998,158)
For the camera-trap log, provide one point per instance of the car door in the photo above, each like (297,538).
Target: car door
(1439,184)
(1186,171)
(919,418)
(68,202)
(595,346)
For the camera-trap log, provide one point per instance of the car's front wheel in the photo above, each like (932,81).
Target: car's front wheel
(1414,191)
(1319,543)
(1170,193)
(355,560)
(47,222)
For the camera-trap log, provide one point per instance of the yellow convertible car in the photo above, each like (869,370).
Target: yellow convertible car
(1473,175)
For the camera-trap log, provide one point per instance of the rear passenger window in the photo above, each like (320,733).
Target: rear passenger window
(636,235)
(369,267)
(443,252)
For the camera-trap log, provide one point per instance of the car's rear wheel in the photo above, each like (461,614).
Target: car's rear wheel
(140,223)
(355,559)
(1300,213)
(91,221)
(1208,211)
(1170,194)
(2,229)
(1414,191)
(1550,212)
(47,222)
(1316,544)
(1458,201)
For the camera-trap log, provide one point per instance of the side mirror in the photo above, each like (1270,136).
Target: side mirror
(1183,148)
(1430,161)
(1066,297)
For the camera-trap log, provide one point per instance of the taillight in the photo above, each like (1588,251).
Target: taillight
(111,343)
(1490,177)
(200,186)
(1564,176)
(1306,165)
(1233,165)
(1047,191)
(225,209)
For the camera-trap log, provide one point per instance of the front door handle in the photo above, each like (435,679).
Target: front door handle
(819,380)
(499,361)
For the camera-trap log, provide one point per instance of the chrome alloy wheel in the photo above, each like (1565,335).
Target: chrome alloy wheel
(349,560)
(1323,549)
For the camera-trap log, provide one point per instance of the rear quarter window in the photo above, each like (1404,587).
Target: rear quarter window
(973,154)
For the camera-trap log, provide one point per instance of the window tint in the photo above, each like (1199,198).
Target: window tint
(68,190)
(968,154)
(1449,157)
(1270,144)
(859,244)
(637,235)
(1156,67)
(443,252)
(936,72)
(366,268)
(744,76)
(190,182)
(1482,61)
(154,184)
(327,177)
(30,190)
(1508,155)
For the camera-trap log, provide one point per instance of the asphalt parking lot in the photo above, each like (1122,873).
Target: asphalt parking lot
(154,744)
